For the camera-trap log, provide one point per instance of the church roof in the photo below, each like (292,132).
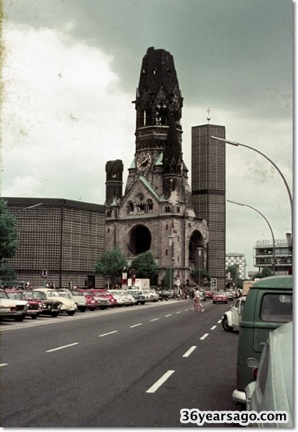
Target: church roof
(149,186)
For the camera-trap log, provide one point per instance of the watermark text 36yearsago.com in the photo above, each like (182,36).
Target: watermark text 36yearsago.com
(243,418)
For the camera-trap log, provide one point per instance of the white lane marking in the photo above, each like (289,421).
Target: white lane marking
(178,312)
(214,327)
(185,310)
(160,382)
(187,354)
(218,322)
(3,364)
(107,334)
(166,316)
(155,319)
(62,347)
(136,325)
(204,336)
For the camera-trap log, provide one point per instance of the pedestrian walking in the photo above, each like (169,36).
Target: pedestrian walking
(197,301)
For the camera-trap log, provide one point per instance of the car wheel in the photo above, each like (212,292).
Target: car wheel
(92,309)
(225,326)
(54,314)
(33,316)
(71,312)
(82,309)
(19,318)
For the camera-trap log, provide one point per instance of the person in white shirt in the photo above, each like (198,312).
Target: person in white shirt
(197,301)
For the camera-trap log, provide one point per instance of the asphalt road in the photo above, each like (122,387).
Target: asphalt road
(129,367)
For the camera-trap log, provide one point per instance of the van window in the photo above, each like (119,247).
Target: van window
(277,308)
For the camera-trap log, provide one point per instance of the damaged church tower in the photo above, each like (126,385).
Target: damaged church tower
(156,212)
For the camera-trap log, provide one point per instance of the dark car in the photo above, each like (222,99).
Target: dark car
(49,306)
(138,296)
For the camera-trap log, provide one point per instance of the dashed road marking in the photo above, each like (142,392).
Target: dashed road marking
(3,364)
(187,354)
(109,333)
(214,327)
(166,316)
(62,347)
(161,380)
(136,325)
(155,319)
(204,336)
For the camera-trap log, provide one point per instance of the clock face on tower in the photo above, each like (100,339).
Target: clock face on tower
(144,161)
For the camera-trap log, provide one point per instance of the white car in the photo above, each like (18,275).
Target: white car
(231,319)
(10,308)
(79,298)
(273,389)
(118,296)
(68,304)
(153,295)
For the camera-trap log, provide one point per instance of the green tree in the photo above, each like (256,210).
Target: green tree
(111,264)
(266,272)
(233,270)
(8,273)
(145,266)
(199,274)
(8,232)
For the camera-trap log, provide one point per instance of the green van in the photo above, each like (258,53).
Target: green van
(269,304)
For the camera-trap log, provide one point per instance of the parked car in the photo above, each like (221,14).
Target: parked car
(34,306)
(10,308)
(91,300)
(153,295)
(79,299)
(146,294)
(118,295)
(230,295)
(231,319)
(138,296)
(273,389)
(102,293)
(269,304)
(219,297)
(48,306)
(130,300)
(164,294)
(68,304)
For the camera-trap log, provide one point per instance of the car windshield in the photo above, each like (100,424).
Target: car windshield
(77,293)
(36,295)
(65,294)
(15,295)
(53,293)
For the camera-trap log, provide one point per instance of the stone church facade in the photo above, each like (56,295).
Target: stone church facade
(155,212)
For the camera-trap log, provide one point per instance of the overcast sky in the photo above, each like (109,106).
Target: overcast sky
(71,71)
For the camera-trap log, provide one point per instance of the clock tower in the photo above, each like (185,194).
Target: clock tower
(156,212)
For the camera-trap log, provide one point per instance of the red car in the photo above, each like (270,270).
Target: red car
(34,308)
(219,297)
(92,302)
(208,294)
(103,294)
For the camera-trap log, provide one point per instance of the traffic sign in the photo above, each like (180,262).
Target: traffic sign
(214,283)
(44,274)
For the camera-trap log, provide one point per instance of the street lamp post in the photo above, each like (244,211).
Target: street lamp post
(235,143)
(273,239)
(171,257)
(199,249)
